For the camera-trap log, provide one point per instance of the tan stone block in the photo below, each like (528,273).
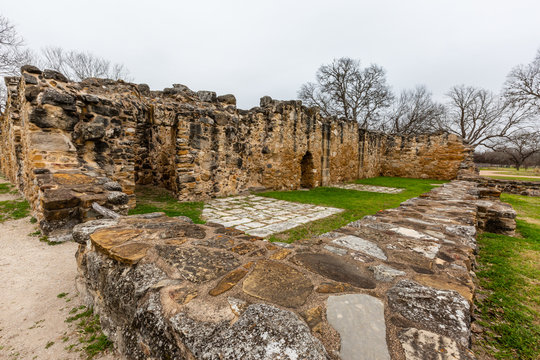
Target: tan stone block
(228,281)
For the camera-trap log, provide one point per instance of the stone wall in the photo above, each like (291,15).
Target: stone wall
(396,285)
(68,144)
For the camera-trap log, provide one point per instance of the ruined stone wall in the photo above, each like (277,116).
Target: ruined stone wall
(67,145)
(439,156)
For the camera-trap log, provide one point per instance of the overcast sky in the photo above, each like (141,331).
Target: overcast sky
(253,48)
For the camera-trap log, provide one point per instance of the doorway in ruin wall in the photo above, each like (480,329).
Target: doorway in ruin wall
(307,179)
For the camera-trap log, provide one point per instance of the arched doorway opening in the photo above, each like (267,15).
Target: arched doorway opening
(306,165)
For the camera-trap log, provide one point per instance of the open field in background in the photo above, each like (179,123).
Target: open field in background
(508,300)
(357,204)
(510,173)
(531,171)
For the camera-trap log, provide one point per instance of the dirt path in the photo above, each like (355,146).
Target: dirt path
(496,173)
(32,275)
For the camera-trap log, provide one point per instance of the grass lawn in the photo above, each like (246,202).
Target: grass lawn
(512,178)
(12,209)
(154,199)
(513,171)
(508,300)
(356,203)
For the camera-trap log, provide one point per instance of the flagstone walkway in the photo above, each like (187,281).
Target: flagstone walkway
(261,216)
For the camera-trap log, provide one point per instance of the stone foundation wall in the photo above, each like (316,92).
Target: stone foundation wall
(68,144)
(396,285)
(518,187)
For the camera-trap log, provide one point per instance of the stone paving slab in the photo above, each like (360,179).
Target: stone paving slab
(261,216)
(369,188)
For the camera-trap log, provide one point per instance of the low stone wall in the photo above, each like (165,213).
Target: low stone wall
(395,285)
(518,187)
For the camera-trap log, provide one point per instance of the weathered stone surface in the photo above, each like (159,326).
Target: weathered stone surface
(105,239)
(331,288)
(129,253)
(314,317)
(422,344)
(81,232)
(262,332)
(385,273)
(197,264)
(278,283)
(359,244)
(228,281)
(442,311)
(333,267)
(359,320)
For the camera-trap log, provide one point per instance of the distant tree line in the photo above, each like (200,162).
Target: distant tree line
(75,65)
(508,122)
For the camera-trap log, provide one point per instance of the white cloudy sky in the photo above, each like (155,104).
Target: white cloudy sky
(253,48)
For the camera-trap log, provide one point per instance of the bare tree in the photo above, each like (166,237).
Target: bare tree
(12,55)
(79,65)
(414,112)
(344,89)
(479,116)
(519,146)
(523,83)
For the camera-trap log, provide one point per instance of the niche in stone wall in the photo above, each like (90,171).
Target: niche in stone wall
(306,166)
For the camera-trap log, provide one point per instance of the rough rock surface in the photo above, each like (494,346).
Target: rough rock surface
(166,288)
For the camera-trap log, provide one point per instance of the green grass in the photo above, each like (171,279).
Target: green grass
(526,206)
(508,301)
(91,339)
(511,178)
(153,199)
(14,209)
(6,188)
(355,203)
(513,171)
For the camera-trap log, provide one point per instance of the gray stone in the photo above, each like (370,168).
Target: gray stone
(442,311)
(112,186)
(335,250)
(92,131)
(184,218)
(54,75)
(263,332)
(227,99)
(355,243)
(54,97)
(117,198)
(425,345)
(359,320)
(385,273)
(81,232)
(208,96)
(30,69)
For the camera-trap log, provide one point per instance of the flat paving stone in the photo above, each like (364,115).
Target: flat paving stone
(369,188)
(442,311)
(333,267)
(359,320)
(278,283)
(260,216)
(422,344)
(355,243)
(385,273)
(197,264)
